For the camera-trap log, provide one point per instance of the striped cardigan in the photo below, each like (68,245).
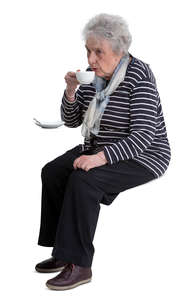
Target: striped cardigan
(132,126)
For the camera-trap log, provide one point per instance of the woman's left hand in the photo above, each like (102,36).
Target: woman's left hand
(87,162)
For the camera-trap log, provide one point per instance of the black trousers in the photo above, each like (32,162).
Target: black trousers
(71,202)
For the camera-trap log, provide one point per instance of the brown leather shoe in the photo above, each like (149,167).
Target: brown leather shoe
(50,265)
(70,277)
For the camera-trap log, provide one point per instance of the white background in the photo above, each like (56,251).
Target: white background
(141,240)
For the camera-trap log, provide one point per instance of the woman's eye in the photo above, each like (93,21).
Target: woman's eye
(98,51)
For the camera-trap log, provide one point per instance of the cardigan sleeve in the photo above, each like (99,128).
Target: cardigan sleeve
(71,112)
(143,112)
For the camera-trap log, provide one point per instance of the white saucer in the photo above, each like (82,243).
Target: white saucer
(49,125)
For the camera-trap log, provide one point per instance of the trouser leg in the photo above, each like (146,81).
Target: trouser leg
(84,193)
(54,177)
(78,220)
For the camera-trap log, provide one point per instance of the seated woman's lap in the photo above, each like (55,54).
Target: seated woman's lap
(112,179)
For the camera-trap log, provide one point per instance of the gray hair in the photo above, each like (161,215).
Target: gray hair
(112,28)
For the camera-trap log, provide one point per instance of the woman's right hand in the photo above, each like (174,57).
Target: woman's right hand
(71,81)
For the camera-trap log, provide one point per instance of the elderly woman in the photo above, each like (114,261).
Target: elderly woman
(125,145)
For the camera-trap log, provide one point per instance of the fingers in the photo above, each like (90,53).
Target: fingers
(75,164)
(71,80)
(72,74)
(86,162)
(80,163)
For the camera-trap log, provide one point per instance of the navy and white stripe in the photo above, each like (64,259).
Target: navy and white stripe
(132,126)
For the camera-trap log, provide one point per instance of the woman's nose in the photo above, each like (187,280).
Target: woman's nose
(92,58)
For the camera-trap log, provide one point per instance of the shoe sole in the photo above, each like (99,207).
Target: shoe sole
(49,270)
(62,288)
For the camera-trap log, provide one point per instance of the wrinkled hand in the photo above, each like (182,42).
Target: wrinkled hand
(87,162)
(71,81)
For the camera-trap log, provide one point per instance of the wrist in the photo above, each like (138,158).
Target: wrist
(70,94)
(70,90)
(102,156)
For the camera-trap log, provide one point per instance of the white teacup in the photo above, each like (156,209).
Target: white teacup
(85,77)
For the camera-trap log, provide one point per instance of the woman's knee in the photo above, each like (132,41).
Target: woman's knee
(49,170)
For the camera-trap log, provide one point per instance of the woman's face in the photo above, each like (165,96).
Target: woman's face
(101,58)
